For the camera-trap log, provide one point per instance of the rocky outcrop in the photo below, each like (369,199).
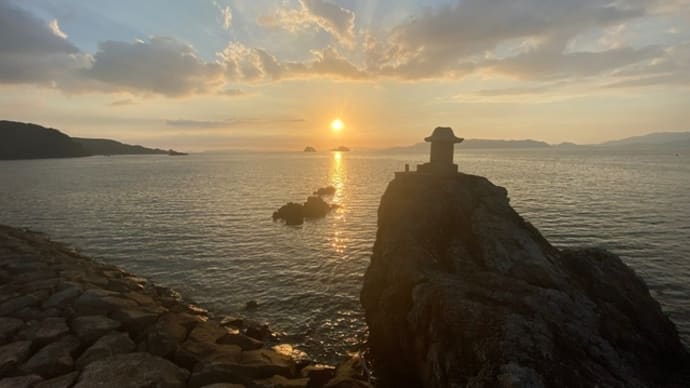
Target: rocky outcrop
(66,320)
(462,292)
(295,213)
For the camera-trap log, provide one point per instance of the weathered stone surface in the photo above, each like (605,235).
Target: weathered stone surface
(101,302)
(224,385)
(20,381)
(241,340)
(133,370)
(92,327)
(106,346)
(137,320)
(62,298)
(54,359)
(318,375)
(217,372)
(64,381)
(168,332)
(12,355)
(9,326)
(462,291)
(278,381)
(265,363)
(192,352)
(50,329)
(18,303)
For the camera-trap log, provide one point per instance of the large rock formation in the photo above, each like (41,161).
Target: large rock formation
(463,292)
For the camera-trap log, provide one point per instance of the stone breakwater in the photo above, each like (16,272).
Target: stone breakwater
(69,321)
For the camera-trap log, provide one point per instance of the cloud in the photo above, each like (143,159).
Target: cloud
(225,15)
(124,102)
(160,66)
(336,20)
(231,122)
(33,51)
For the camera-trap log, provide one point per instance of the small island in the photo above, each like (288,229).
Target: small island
(341,149)
(309,149)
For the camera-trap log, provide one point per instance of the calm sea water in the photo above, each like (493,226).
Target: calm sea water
(202,224)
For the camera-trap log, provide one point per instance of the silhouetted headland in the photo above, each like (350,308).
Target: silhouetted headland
(462,291)
(31,141)
(66,320)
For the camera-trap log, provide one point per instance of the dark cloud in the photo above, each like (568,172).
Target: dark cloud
(32,52)
(160,66)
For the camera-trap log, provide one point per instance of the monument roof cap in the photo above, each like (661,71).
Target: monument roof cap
(443,135)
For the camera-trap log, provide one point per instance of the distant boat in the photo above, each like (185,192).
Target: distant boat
(175,153)
(341,149)
(309,149)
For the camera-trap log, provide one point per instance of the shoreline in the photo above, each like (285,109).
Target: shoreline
(68,319)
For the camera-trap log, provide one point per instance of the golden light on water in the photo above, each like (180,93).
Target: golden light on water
(337,125)
(338,177)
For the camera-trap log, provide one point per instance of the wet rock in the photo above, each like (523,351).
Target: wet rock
(54,359)
(235,322)
(9,326)
(462,291)
(251,305)
(62,298)
(264,363)
(258,331)
(50,329)
(18,303)
(192,353)
(224,385)
(135,370)
(20,381)
(106,346)
(12,355)
(241,340)
(64,381)
(92,327)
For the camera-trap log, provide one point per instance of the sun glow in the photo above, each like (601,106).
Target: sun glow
(337,125)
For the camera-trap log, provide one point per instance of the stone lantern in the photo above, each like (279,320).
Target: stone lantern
(442,143)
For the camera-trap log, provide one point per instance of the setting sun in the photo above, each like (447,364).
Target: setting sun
(337,125)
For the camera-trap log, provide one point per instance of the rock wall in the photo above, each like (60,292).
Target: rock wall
(66,320)
(462,292)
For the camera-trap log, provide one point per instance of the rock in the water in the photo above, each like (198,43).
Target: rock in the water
(292,213)
(251,305)
(12,355)
(133,370)
(243,341)
(315,207)
(323,191)
(462,291)
(92,327)
(54,359)
(106,346)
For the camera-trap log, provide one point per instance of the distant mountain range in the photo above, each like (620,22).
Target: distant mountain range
(657,140)
(31,141)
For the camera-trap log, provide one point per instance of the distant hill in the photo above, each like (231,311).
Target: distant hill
(30,141)
(476,144)
(672,139)
(112,147)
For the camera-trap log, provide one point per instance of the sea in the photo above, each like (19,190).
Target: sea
(201,224)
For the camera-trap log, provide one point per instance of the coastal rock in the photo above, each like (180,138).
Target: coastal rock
(294,213)
(9,326)
(64,381)
(133,370)
(54,359)
(50,329)
(20,381)
(168,332)
(12,355)
(106,346)
(461,291)
(90,328)
(241,340)
(324,191)
(291,213)
(62,298)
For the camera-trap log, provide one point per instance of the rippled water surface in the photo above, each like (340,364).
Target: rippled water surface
(202,224)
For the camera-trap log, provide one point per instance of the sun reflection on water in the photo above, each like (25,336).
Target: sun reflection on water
(337,179)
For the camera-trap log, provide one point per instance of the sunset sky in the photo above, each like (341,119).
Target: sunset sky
(216,74)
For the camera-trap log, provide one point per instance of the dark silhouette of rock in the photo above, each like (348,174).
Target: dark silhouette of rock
(251,305)
(315,207)
(324,191)
(292,213)
(461,291)
(30,141)
(113,147)
(341,149)
(309,149)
